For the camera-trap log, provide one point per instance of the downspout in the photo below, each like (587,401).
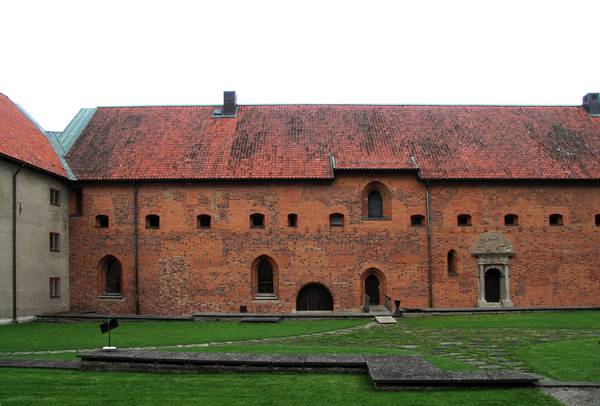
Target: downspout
(14,246)
(135,249)
(429,254)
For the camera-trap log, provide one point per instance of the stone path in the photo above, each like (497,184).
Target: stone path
(387,372)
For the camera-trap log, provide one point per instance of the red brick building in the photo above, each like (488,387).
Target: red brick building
(280,208)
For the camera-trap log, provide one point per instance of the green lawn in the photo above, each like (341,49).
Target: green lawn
(561,345)
(40,336)
(26,387)
(579,319)
(574,360)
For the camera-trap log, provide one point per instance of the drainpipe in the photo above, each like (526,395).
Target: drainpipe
(135,249)
(429,254)
(14,245)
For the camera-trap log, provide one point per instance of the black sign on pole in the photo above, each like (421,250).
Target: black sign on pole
(110,324)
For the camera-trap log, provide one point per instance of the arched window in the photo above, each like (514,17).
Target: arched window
(257,220)
(463,220)
(264,278)
(417,220)
(376,201)
(452,263)
(555,220)
(203,221)
(511,220)
(375,204)
(152,221)
(101,221)
(597,220)
(111,268)
(292,220)
(336,220)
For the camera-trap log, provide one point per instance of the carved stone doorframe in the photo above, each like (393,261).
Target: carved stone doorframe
(493,251)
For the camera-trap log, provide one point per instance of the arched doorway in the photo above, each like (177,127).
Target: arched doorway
(314,296)
(372,289)
(111,276)
(492,285)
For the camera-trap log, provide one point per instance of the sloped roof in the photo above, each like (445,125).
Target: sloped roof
(296,141)
(23,141)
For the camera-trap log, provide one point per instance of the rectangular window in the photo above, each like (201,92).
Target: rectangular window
(76,202)
(55,242)
(54,197)
(54,287)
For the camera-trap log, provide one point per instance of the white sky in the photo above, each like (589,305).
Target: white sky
(59,56)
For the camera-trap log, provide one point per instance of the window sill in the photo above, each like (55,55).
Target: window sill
(265,296)
(110,296)
(376,218)
(257,227)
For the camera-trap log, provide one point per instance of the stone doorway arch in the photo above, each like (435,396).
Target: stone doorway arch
(492,285)
(493,252)
(314,297)
(372,284)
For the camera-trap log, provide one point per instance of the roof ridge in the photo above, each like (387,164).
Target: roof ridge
(343,105)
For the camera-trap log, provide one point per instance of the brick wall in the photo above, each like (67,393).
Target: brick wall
(183,269)
(552,266)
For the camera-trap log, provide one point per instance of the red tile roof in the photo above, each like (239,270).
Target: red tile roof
(22,140)
(295,141)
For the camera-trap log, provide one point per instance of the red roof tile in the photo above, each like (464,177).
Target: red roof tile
(295,141)
(21,140)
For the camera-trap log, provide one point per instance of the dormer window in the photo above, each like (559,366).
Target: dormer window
(257,220)
(463,220)
(152,221)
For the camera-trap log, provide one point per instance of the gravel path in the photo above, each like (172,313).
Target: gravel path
(575,396)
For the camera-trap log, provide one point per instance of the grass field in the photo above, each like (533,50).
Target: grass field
(26,387)
(560,345)
(569,360)
(40,336)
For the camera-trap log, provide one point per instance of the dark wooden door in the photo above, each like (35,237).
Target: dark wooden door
(314,297)
(492,286)
(372,289)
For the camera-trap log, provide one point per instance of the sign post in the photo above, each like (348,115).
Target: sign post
(105,328)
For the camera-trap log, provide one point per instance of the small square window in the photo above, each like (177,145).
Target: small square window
(203,221)
(152,221)
(54,288)
(257,220)
(511,220)
(55,242)
(336,220)
(463,220)
(417,220)
(555,220)
(54,197)
(102,221)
